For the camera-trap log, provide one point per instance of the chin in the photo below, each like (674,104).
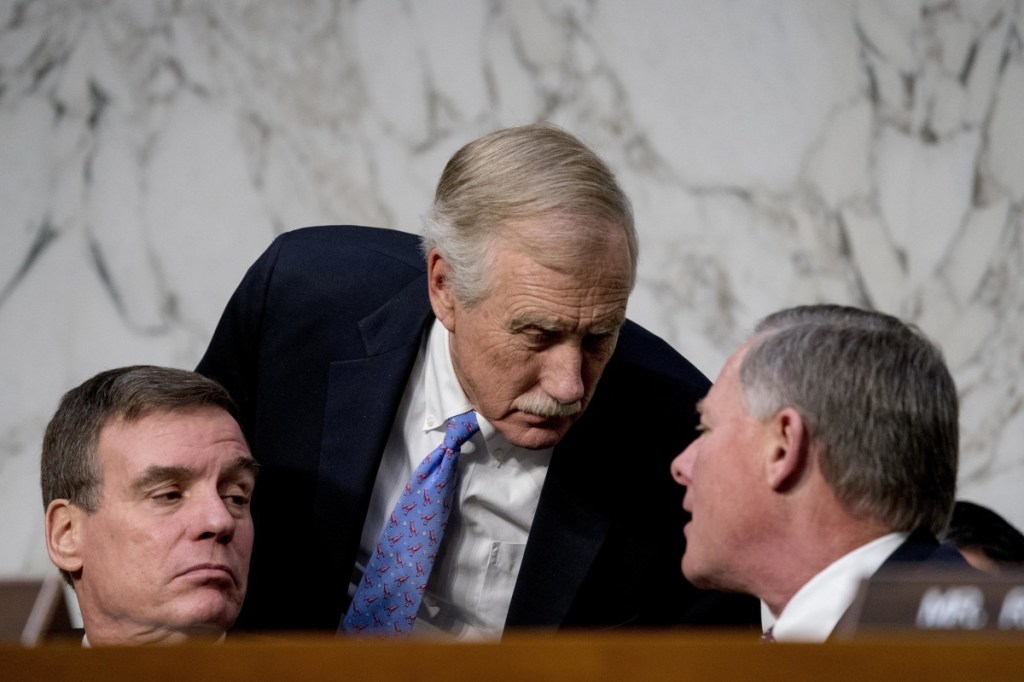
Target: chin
(693,574)
(209,614)
(534,432)
(536,438)
(702,576)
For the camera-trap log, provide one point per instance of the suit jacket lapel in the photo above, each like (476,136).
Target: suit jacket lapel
(362,398)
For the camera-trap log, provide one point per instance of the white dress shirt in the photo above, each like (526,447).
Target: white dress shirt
(814,611)
(471,585)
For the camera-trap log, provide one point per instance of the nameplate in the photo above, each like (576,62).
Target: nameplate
(937,601)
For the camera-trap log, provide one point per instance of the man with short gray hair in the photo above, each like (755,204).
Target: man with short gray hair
(463,434)
(837,430)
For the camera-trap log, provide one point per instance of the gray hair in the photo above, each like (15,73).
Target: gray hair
(69,468)
(530,171)
(878,402)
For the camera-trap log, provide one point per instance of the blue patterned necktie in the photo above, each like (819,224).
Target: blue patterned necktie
(390,591)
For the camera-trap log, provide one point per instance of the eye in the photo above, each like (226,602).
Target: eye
(599,342)
(236,496)
(166,496)
(536,336)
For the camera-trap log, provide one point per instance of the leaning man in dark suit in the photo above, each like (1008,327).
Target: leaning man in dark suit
(146,481)
(500,338)
(837,428)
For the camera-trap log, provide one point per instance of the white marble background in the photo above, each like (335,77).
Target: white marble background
(777,151)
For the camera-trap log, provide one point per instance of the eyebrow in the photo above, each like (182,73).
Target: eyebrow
(243,463)
(608,325)
(158,474)
(529,320)
(605,325)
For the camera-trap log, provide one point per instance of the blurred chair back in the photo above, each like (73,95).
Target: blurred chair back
(33,610)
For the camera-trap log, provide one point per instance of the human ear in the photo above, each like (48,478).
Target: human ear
(789,452)
(64,534)
(442,298)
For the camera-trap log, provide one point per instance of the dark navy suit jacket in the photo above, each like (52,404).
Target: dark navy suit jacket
(316,346)
(920,551)
(923,548)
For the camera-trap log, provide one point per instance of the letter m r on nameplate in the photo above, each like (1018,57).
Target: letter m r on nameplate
(1011,615)
(936,601)
(954,608)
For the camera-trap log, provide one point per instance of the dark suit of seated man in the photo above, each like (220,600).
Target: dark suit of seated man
(837,428)
(146,481)
(349,350)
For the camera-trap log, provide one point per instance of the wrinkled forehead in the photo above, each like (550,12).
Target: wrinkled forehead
(201,436)
(568,241)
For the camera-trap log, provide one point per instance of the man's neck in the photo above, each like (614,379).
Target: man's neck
(809,551)
(812,613)
(97,634)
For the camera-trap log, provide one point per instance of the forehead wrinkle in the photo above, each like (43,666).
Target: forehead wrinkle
(555,322)
(533,319)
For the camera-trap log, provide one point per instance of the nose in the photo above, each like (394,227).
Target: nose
(563,376)
(214,520)
(682,465)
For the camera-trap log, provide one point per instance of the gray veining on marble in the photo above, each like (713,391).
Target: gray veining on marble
(858,151)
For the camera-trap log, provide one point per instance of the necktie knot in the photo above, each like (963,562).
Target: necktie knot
(460,429)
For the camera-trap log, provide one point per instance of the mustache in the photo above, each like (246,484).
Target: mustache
(546,406)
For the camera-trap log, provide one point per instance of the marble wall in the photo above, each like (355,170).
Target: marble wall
(778,152)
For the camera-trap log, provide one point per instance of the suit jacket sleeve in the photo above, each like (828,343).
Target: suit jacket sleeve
(318,302)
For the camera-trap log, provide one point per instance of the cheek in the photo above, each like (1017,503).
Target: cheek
(706,474)
(141,559)
(508,380)
(127,537)
(243,540)
(592,369)
(500,368)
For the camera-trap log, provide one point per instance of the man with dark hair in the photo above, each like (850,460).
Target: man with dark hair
(988,541)
(827,449)
(146,481)
(354,352)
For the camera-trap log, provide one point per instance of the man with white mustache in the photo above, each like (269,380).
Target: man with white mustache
(349,349)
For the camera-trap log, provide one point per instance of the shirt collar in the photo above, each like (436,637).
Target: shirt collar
(813,612)
(443,394)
